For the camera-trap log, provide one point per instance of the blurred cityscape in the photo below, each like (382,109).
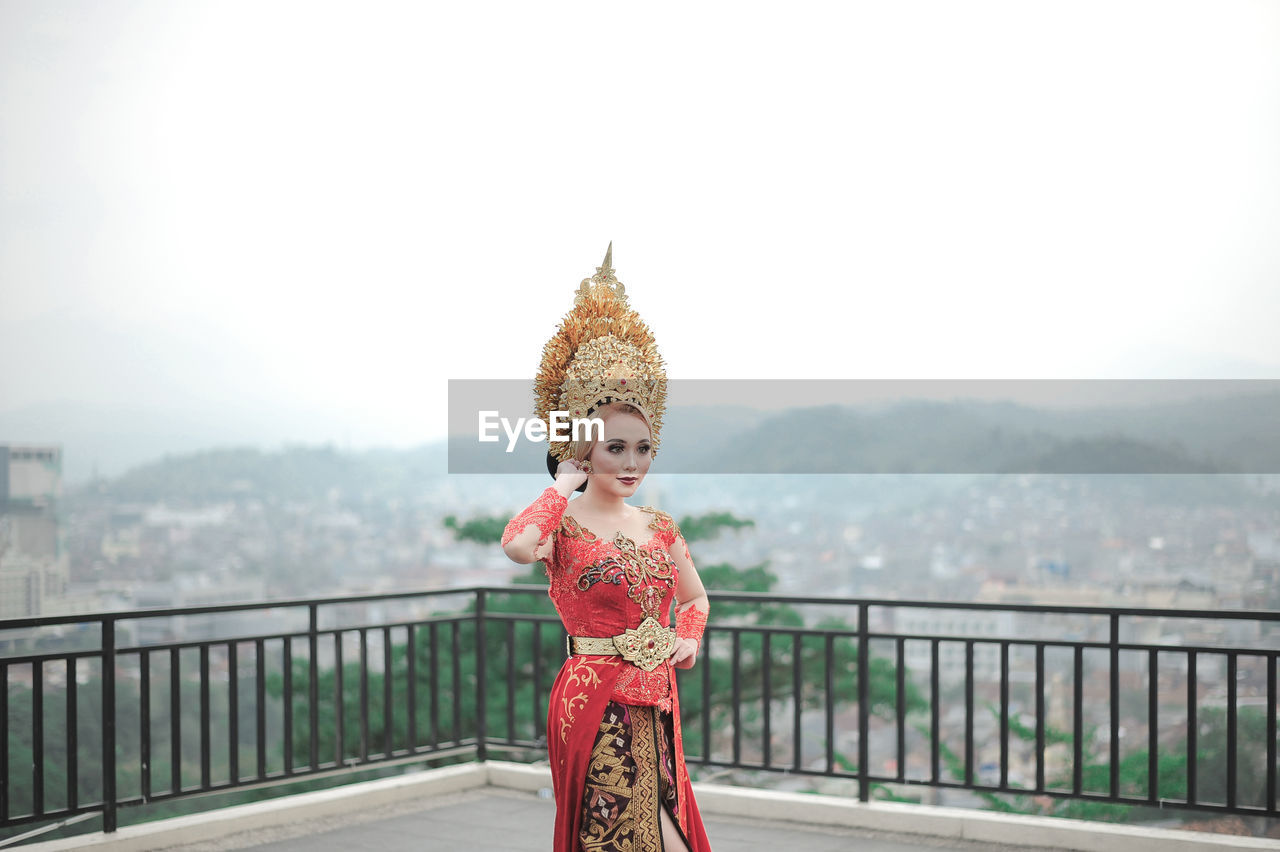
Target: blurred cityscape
(316,521)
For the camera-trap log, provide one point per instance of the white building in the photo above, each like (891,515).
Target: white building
(34,564)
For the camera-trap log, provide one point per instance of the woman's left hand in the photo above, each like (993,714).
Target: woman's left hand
(685,653)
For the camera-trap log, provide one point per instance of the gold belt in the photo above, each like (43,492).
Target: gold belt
(646,646)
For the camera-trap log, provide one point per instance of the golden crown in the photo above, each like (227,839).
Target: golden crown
(602,353)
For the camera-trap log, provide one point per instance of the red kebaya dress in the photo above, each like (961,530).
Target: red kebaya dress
(613,729)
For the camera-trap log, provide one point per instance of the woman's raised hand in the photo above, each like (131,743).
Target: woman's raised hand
(570,474)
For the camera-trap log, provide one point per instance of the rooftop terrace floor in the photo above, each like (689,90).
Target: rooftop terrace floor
(493,819)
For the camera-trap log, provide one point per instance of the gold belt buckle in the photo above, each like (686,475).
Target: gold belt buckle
(647,645)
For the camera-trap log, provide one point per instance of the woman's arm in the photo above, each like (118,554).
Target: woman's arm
(692,607)
(527,537)
(529,531)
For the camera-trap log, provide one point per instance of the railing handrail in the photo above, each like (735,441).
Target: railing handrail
(763,597)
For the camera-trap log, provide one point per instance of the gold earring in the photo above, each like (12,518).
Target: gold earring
(586,467)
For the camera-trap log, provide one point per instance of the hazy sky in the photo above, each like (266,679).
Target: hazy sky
(339,207)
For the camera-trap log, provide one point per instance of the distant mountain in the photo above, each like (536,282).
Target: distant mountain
(1226,435)
(298,473)
(108,440)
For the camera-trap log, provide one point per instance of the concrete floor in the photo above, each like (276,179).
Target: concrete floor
(493,819)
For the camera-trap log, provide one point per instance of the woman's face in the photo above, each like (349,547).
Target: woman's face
(621,459)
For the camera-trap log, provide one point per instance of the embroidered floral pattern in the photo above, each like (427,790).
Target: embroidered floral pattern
(544,513)
(690,624)
(637,686)
(663,523)
(585,562)
(571,528)
(583,673)
(647,574)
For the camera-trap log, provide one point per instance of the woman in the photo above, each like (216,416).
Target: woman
(613,719)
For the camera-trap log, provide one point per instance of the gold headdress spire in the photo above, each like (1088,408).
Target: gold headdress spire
(604,276)
(602,352)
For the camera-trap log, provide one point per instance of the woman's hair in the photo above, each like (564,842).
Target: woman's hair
(583,449)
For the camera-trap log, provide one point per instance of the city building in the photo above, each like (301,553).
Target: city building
(34,563)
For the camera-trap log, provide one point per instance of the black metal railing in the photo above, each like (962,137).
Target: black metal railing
(93,729)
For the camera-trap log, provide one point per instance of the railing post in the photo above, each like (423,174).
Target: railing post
(1114,720)
(864,702)
(108,724)
(313,686)
(481,676)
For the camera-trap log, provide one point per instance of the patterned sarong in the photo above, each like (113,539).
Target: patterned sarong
(631,774)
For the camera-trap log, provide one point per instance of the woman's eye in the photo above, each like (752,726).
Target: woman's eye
(616,448)
(644,449)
